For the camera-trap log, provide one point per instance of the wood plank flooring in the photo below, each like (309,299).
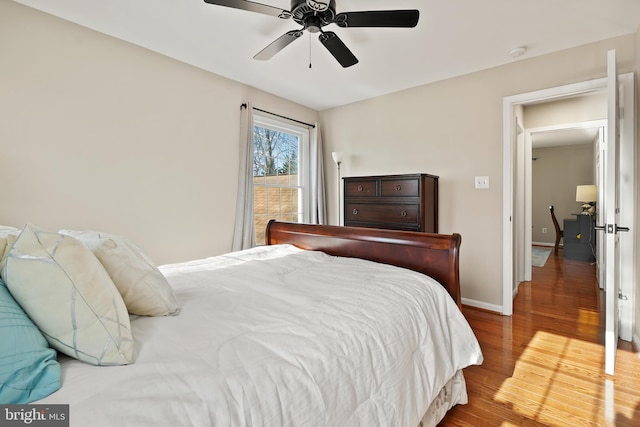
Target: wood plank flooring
(544,366)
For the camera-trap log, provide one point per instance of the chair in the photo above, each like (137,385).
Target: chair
(558,230)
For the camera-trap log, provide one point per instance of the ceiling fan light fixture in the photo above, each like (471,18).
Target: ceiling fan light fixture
(313,24)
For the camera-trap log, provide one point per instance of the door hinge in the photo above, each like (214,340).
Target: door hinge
(622,297)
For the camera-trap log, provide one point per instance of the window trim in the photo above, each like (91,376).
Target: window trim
(304,158)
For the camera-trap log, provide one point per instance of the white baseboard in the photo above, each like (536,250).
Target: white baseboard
(636,344)
(483,305)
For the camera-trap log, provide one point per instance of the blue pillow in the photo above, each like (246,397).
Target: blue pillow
(28,367)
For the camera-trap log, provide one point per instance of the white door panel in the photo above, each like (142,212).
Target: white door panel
(609,233)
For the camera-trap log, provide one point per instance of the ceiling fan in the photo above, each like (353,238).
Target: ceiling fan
(313,15)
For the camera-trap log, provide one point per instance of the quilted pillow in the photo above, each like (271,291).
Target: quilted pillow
(28,367)
(67,293)
(143,287)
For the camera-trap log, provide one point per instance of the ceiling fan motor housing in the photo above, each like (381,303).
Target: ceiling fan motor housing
(319,5)
(320,12)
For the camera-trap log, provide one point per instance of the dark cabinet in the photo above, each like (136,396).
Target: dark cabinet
(399,202)
(579,237)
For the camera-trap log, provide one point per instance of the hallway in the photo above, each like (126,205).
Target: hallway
(544,366)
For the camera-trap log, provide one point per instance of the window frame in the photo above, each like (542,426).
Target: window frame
(304,166)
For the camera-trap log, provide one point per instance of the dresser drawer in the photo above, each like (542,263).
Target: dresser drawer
(400,188)
(390,213)
(399,202)
(360,189)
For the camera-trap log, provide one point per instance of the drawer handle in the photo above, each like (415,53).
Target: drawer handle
(403,213)
(398,187)
(360,188)
(355,211)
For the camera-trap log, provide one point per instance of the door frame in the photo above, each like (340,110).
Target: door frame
(511,244)
(528,179)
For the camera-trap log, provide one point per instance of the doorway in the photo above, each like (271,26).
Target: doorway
(513,177)
(562,157)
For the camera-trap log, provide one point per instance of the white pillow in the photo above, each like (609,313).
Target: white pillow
(144,289)
(67,293)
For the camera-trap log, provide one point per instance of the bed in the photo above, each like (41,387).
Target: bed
(323,326)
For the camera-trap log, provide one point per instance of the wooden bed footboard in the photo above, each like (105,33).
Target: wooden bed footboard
(436,255)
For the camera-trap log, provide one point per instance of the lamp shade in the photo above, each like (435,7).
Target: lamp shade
(337,157)
(586,193)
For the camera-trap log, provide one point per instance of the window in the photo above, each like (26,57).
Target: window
(280,173)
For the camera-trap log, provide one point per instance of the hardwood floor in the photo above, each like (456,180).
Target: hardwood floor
(544,366)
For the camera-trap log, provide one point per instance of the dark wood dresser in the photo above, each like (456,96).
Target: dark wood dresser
(399,202)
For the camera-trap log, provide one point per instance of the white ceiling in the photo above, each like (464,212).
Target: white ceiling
(453,37)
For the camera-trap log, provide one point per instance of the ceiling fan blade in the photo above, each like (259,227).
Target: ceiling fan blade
(338,49)
(252,7)
(379,18)
(277,45)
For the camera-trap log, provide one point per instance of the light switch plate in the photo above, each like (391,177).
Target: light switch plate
(482,182)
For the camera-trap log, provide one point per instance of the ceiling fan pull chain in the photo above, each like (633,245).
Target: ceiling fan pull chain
(309,50)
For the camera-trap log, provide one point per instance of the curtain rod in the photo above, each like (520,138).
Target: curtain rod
(278,115)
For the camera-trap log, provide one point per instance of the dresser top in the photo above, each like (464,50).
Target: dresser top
(400,176)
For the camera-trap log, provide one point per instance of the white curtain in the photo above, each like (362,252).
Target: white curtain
(244,235)
(318,214)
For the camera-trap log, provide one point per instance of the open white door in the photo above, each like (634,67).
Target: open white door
(626,155)
(610,228)
(599,165)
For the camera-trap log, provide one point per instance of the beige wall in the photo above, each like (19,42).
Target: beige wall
(453,129)
(98,133)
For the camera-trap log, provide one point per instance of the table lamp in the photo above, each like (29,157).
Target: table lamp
(587,195)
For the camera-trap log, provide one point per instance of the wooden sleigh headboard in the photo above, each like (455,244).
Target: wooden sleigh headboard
(436,255)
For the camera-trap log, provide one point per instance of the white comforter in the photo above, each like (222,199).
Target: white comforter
(276,336)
